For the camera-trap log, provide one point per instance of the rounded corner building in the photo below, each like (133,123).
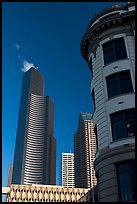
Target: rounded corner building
(108,47)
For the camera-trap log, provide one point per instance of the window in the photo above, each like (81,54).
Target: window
(123,124)
(114,50)
(95,131)
(119,83)
(90,66)
(93,98)
(126,180)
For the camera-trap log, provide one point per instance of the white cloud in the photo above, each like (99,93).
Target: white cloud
(26,66)
(17,46)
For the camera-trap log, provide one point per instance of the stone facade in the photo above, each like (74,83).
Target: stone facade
(114,147)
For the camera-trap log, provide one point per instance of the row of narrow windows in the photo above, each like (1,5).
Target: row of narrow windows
(31,199)
(40,191)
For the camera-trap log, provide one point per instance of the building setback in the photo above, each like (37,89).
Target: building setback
(68,177)
(108,47)
(84,152)
(35,148)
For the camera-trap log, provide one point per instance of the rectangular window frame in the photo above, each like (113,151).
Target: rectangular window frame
(111,46)
(93,99)
(95,131)
(131,171)
(117,79)
(124,119)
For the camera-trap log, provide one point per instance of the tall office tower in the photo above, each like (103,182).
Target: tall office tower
(84,152)
(68,179)
(10,174)
(35,149)
(108,46)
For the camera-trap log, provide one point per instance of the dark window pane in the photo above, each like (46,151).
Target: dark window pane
(109,57)
(126,194)
(118,130)
(126,177)
(113,89)
(114,50)
(123,124)
(121,53)
(93,98)
(124,167)
(130,122)
(125,180)
(130,125)
(120,49)
(130,113)
(90,66)
(116,117)
(126,83)
(95,131)
(119,83)
(108,52)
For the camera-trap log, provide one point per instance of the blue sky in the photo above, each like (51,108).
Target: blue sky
(47,34)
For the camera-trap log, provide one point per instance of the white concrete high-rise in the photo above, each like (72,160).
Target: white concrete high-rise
(84,152)
(68,178)
(108,47)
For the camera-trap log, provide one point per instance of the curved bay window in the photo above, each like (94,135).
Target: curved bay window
(123,124)
(114,50)
(126,180)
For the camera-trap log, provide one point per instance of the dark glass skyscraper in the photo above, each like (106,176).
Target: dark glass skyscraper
(35,149)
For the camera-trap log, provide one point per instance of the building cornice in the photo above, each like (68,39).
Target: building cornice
(93,33)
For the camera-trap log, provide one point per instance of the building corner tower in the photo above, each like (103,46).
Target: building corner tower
(33,163)
(108,47)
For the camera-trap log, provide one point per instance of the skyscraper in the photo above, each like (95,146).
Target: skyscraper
(10,174)
(35,148)
(68,178)
(84,152)
(108,47)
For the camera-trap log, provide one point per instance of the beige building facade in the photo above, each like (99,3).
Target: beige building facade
(44,193)
(84,152)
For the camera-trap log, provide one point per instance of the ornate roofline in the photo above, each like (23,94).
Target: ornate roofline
(104,24)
